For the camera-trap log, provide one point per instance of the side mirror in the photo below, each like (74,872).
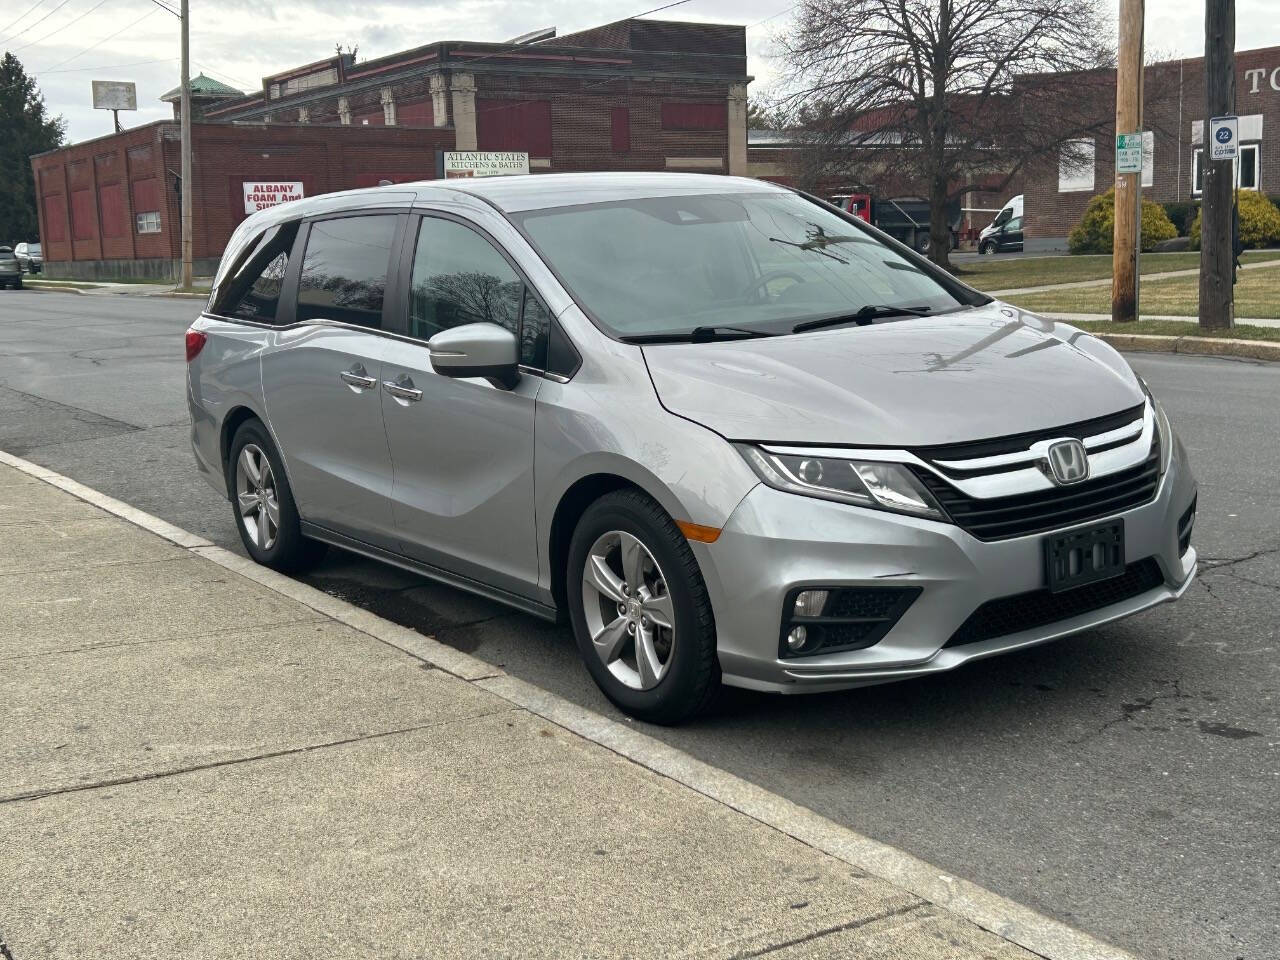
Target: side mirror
(477,350)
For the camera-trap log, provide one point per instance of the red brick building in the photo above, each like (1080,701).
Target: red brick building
(1174,120)
(631,95)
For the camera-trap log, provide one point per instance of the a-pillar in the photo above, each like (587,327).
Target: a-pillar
(388,107)
(344,110)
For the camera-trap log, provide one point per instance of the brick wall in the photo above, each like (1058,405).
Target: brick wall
(91,193)
(1174,100)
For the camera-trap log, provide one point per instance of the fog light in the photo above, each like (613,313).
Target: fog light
(809,603)
(796,638)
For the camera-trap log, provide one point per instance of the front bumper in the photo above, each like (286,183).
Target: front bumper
(775,542)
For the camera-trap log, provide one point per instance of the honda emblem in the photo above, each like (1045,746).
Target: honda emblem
(1068,462)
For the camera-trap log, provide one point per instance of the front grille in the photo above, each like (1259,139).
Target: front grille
(1016,443)
(1001,518)
(1026,611)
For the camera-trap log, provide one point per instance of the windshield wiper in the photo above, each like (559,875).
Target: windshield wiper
(699,335)
(868,314)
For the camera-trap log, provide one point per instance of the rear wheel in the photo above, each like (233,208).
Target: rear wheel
(922,241)
(640,610)
(266,515)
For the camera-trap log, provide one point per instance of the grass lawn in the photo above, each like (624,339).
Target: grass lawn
(1178,328)
(1257,295)
(1007,274)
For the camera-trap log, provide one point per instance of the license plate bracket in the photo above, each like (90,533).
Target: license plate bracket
(1084,556)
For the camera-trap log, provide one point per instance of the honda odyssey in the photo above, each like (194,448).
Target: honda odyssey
(728,432)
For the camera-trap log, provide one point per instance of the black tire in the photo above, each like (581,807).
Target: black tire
(986,247)
(291,552)
(922,242)
(692,681)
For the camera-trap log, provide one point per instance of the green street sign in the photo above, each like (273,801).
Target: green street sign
(1128,153)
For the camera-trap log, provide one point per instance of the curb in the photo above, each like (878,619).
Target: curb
(1197,346)
(1011,921)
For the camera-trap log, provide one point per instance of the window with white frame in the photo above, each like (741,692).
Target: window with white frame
(1075,166)
(149,222)
(1246,169)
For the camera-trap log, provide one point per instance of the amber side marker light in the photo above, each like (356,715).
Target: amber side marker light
(696,531)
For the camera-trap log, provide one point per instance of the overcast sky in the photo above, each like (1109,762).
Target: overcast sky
(67,43)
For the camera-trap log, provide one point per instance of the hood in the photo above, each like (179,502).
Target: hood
(987,231)
(985,372)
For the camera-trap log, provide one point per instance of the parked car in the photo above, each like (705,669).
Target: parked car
(1005,231)
(724,430)
(29,257)
(10,271)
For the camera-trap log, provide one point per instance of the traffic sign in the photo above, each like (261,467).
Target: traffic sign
(1128,153)
(1224,138)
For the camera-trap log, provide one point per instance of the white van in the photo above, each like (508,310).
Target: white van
(1005,231)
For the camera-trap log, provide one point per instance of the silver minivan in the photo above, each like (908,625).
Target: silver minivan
(727,432)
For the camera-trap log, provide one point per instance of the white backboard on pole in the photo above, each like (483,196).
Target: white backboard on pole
(115,95)
(1224,138)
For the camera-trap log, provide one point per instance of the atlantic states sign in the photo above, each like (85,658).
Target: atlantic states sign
(258,195)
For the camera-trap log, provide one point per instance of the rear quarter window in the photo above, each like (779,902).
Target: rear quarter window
(253,284)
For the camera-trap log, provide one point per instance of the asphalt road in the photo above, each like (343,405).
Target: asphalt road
(1126,781)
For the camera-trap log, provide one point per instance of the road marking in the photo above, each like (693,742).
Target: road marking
(1012,921)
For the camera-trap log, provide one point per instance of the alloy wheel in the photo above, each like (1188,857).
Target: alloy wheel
(256,496)
(629,610)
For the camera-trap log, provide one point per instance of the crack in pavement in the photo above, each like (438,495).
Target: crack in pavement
(1130,710)
(1214,564)
(828,931)
(216,764)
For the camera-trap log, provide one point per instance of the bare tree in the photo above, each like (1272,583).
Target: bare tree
(948,90)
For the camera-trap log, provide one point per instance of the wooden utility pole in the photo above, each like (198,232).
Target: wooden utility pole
(186,146)
(1128,229)
(1217,253)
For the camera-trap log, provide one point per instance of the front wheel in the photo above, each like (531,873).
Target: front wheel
(640,610)
(986,247)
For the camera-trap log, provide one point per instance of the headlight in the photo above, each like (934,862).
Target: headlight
(865,483)
(1164,429)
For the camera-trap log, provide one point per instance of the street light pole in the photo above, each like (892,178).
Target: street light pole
(186,146)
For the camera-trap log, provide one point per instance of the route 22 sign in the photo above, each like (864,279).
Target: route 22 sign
(1224,138)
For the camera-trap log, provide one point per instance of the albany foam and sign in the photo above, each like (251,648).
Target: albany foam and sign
(479,163)
(261,194)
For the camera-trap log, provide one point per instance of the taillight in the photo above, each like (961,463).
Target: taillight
(195,343)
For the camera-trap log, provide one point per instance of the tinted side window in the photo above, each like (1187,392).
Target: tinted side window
(458,277)
(344,271)
(251,289)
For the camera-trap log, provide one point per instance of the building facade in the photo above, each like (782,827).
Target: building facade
(631,95)
(1174,120)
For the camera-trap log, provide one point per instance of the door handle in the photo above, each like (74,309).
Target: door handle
(356,377)
(402,389)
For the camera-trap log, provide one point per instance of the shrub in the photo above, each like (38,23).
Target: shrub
(1095,233)
(1180,214)
(1259,221)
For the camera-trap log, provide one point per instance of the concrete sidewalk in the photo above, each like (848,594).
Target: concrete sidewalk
(194,764)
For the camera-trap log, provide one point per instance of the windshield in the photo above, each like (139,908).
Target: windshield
(759,261)
(33,248)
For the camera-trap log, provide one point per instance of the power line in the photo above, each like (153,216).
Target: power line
(166,8)
(112,66)
(32,43)
(226,76)
(98,44)
(37,22)
(13,23)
